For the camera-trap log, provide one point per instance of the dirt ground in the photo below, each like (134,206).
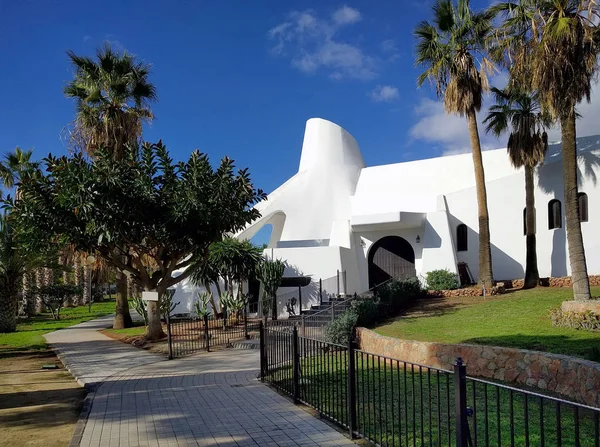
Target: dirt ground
(37,407)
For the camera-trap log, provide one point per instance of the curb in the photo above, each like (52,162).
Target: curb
(88,402)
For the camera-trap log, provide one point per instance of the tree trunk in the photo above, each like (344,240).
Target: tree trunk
(122,316)
(27,297)
(579,274)
(39,282)
(77,279)
(532,276)
(154,330)
(87,284)
(274,306)
(8,310)
(486,278)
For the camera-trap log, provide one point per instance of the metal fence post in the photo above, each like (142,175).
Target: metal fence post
(206,333)
(351,390)
(320,291)
(460,403)
(246,336)
(345,284)
(296,366)
(169,337)
(332,310)
(338,283)
(261,332)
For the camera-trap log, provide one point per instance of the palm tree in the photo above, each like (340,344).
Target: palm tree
(519,114)
(451,49)
(552,46)
(14,264)
(113,95)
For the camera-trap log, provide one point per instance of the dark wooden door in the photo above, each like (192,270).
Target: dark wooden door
(391,257)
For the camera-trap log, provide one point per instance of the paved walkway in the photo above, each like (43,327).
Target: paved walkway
(211,399)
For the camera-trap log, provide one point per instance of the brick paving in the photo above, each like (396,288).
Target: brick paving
(211,399)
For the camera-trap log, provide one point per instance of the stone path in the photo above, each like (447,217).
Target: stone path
(211,399)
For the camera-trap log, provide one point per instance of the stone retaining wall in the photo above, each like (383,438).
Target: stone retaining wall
(564,281)
(576,379)
(501,286)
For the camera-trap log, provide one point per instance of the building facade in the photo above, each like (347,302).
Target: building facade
(406,219)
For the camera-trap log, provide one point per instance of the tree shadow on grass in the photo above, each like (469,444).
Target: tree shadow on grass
(556,344)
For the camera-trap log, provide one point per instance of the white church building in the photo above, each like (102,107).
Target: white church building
(406,219)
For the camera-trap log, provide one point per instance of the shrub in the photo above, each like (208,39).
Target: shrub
(339,331)
(54,296)
(367,311)
(442,280)
(587,321)
(397,295)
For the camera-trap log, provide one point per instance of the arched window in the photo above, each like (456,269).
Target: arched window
(583,206)
(554,214)
(525,221)
(461,238)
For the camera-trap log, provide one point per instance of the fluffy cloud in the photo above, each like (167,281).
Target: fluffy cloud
(312,44)
(384,93)
(346,15)
(449,133)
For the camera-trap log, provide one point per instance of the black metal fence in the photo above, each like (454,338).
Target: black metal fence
(390,402)
(189,335)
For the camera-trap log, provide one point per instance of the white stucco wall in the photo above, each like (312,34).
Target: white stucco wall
(330,213)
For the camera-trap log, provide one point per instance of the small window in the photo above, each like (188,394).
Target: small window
(583,206)
(461,238)
(554,214)
(525,221)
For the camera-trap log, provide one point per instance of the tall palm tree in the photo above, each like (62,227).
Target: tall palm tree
(519,113)
(113,95)
(15,262)
(552,46)
(452,51)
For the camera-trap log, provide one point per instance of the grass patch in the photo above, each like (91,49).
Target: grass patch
(400,405)
(138,329)
(29,334)
(519,319)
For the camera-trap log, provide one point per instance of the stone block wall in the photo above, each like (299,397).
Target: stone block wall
(576,379)
(564,281)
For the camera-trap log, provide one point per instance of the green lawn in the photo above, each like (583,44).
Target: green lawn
(414,406)
(29,334)
(518,319)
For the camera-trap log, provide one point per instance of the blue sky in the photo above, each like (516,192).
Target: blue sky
(236,78)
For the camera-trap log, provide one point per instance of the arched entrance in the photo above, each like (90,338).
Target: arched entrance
(391,257)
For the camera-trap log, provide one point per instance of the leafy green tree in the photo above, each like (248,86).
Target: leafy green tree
(451,48)
(519,114)
(270,273)
(552,48)
(232,260)
(113,96)
(142,213)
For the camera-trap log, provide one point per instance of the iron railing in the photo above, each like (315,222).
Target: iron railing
(390,402)
(189,335)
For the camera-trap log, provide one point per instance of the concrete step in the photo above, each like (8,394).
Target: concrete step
(246,344)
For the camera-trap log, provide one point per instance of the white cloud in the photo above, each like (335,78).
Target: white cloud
(312,44)
(384,93)
(447,133)
(390,50)
(346,15)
